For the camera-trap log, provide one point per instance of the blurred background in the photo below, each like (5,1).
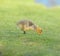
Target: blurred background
(49,3)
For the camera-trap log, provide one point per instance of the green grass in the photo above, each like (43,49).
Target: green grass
(12,40)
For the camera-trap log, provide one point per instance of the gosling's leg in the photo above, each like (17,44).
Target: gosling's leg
(24,32)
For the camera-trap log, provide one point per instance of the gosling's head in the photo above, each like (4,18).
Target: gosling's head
(39,30)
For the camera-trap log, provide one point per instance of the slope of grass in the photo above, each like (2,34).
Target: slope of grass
(14,43)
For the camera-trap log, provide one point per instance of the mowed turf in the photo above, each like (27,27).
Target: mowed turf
(12,40)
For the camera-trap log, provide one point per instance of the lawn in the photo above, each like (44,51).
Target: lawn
(12,40)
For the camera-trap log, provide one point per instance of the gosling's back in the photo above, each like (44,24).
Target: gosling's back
(25,22)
